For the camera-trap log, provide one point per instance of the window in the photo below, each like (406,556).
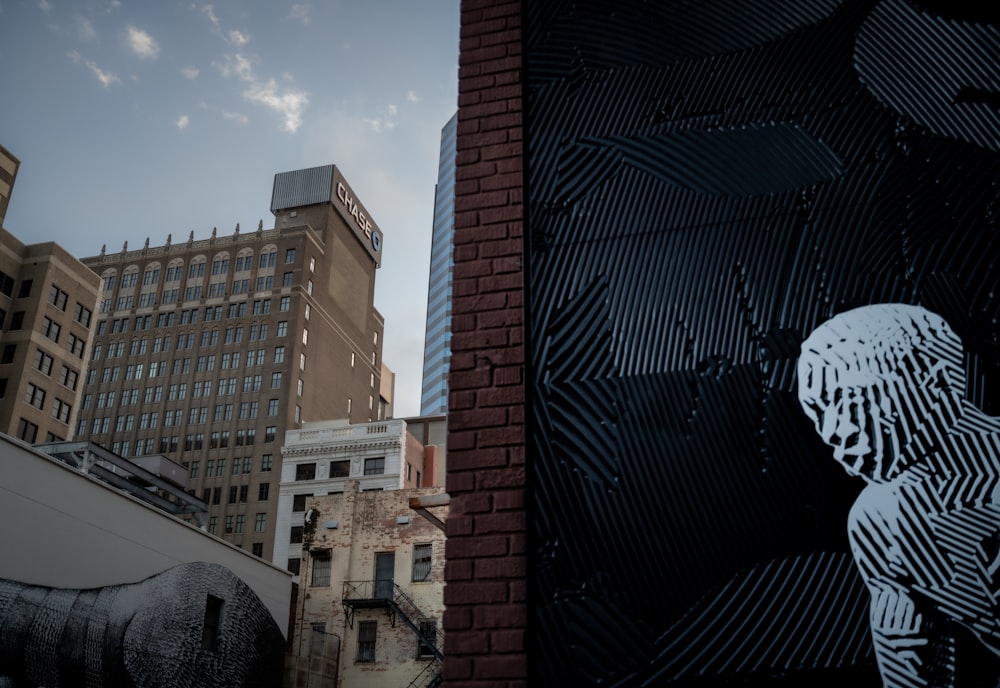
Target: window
(305,471)
(321,570)
(375,466)
(25,290)
(286,279)
(8,353)
(213,522)
(295,536)
(427,639)
(422,562)
(285,304)
(262,492)
(305,337)
(76,345)
(241,520)
(272,407)
(366,640)
(283,328)
(193,469)
(68,377)
(265,463)
(51,329)
(279,354)
(6,284)
(289,256)
(340,469)
(61,411)
(43,362)
(293,565)
(260,523)
(299,502)
(35,396)
(58,298)
(26,430)
(213,620)
(275,380)
(257,549)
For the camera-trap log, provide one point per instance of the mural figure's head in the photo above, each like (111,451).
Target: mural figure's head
(874,376)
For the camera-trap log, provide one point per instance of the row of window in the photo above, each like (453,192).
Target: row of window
(196,293)
(175,272)
(235,525)
(186,341)
(219,439)
(180,366)
(192,316)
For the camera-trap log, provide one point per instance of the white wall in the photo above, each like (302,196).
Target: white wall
(61,528)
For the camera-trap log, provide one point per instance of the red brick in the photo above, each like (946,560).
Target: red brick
(505,319)
(461,400)
(457,441)
(473,643)
(480,55)
(499,479)
(502,666)
(505,396)
(456,483)
(472,504)
(477,418)
(455,667)
(457,618)
(507,375)
(478,592)
(479,459)
(500,567)
(507,641)
(500,616)
(458,570)
(508,499)
(506,522)
(509,213)
(456,526)
(482,339)
(499,437)
(466,547)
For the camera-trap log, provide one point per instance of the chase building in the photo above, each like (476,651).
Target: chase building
(208,350)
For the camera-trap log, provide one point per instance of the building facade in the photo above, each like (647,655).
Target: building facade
(208,351)
(47,304)
(323,457)
(8,173)
(437,333)
(371,591)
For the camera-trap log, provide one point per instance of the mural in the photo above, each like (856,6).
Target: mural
(706,183)
(885,388)
(192,626)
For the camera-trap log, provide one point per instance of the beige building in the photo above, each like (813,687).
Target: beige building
(8,172)
(322,457)
(47,302)
(209,350)
(370,601)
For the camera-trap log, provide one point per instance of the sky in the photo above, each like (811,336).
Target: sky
(143,118)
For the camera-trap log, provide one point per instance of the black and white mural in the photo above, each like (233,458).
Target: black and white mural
(711,186)
(193,626)
(885,387)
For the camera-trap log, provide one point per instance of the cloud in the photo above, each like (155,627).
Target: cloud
(191,72)
(238,38)
(114,5)
(106,78)
(287,102)
(85,30)
(236,117)
(141,43)
(384,122)
(235,37)
(411,96)
(183,121)
(301,13)
(45,6)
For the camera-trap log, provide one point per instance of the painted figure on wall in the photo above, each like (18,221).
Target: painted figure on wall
(885,387)
(194,626)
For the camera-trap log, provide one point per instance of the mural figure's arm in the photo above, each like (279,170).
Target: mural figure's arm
(911,650)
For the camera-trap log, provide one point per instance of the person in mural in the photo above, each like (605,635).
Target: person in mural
(885,387)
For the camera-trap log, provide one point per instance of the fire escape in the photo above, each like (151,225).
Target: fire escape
(385,594)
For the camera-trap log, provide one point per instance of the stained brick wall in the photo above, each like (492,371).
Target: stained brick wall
(486,611)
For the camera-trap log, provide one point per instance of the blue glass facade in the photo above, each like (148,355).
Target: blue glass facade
(437,334)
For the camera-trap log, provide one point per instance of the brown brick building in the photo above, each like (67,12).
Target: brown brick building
(208,350)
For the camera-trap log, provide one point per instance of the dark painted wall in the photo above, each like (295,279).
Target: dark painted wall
(706,183)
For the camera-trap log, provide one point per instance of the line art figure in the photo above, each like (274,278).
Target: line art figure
(885,387)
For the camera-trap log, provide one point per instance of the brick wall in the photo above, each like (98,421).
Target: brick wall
(486,611)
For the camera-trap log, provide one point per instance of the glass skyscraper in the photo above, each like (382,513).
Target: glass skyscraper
(437,335)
